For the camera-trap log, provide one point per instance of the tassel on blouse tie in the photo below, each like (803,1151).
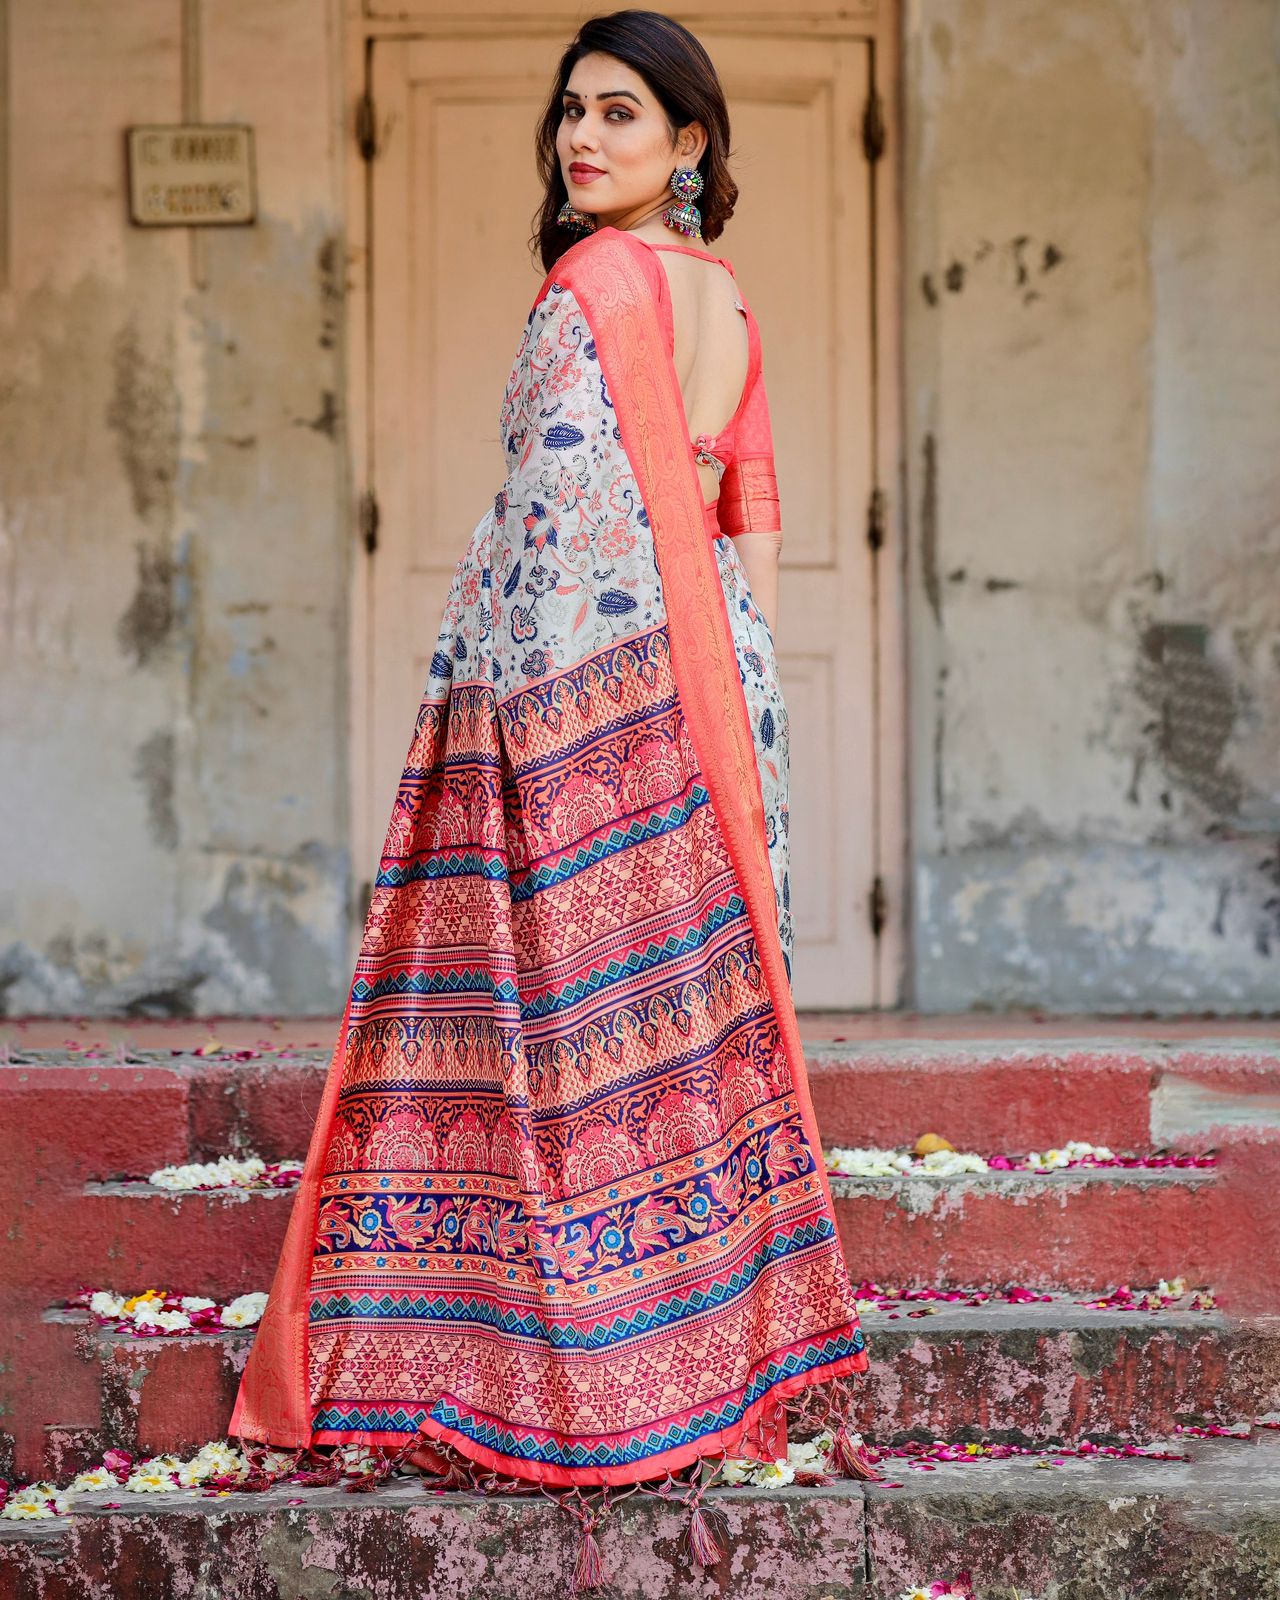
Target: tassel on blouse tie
(705,457)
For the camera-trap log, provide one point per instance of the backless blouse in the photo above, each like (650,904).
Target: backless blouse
(742,451)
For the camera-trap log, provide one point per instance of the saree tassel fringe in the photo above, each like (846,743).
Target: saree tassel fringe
(588,1567)
(588,1571)
(825,1406)
(851,1459)
(260,1475)
(325,1472)
(707,1536)
(848,1455)
(706,1528)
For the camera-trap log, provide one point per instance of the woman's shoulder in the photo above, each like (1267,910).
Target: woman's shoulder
(610,256)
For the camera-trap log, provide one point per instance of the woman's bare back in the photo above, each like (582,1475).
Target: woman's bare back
(712,347)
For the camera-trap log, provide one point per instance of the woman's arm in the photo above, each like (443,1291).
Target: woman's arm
(760,552)
(749,511)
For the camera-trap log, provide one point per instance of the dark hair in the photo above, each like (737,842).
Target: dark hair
(681,75)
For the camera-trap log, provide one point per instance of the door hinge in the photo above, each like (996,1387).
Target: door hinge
(873,129)
(366,126)
(369,518)
(879,906)
(875,519)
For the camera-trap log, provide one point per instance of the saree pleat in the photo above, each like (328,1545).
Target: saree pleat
(564,1207)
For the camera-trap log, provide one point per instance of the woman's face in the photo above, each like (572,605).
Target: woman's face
(613,144)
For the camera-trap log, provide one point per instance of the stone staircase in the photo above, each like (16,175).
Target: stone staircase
(77,1130)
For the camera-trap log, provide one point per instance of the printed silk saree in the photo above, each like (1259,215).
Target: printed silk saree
(565,1216)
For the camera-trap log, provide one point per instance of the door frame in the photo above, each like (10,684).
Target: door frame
(879,22)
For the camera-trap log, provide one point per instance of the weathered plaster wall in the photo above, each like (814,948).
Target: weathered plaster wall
(1093,381)
(1092,198)
(172,546)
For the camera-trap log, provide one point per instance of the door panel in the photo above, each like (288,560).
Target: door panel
(451,282)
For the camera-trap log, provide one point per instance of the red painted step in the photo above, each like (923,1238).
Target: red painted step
(1066,1230)
(115,1119)
(68,1128)
(1075,1229)
(1042,1371)
(217,1242)
(159,1395)
(1014,1097)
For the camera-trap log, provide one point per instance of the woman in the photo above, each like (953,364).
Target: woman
(565,1220)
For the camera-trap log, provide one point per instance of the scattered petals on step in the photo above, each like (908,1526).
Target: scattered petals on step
(875,1297)
(119,1463)
(158,1313)
(876,1163)
(809,1461)
(957,1588)
(218,1463)
(1168,1292)
(932,1157)
(89,1482)
(806,1461)
(34,1502)
(153,1477)
(219,1469)
(245,1311)
(227,1172)
(924,1457)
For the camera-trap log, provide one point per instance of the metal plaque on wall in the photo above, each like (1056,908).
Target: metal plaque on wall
(196,174)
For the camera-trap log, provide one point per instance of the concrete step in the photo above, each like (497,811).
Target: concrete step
(1081,1228)
(110,1117)
(1091,1530)
(217,1242)
(1072,1229)
(1098,1530)
(72,1127)
(1046,1371)
(1015,1095)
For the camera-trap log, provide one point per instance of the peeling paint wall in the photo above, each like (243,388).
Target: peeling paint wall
(1093,382)
(173,568)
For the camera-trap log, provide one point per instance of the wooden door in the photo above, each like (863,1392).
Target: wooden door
(451,195)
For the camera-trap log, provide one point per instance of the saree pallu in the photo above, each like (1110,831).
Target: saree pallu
(564,1214)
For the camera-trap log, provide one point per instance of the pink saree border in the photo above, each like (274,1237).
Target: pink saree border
(612,275)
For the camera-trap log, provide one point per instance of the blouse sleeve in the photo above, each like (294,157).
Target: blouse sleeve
(749,488)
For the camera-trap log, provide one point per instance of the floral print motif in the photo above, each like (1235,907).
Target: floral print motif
(556,534)
(770,725)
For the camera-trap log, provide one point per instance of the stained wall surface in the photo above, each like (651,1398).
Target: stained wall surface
(173,570)
(1092,204)
(1090,196)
